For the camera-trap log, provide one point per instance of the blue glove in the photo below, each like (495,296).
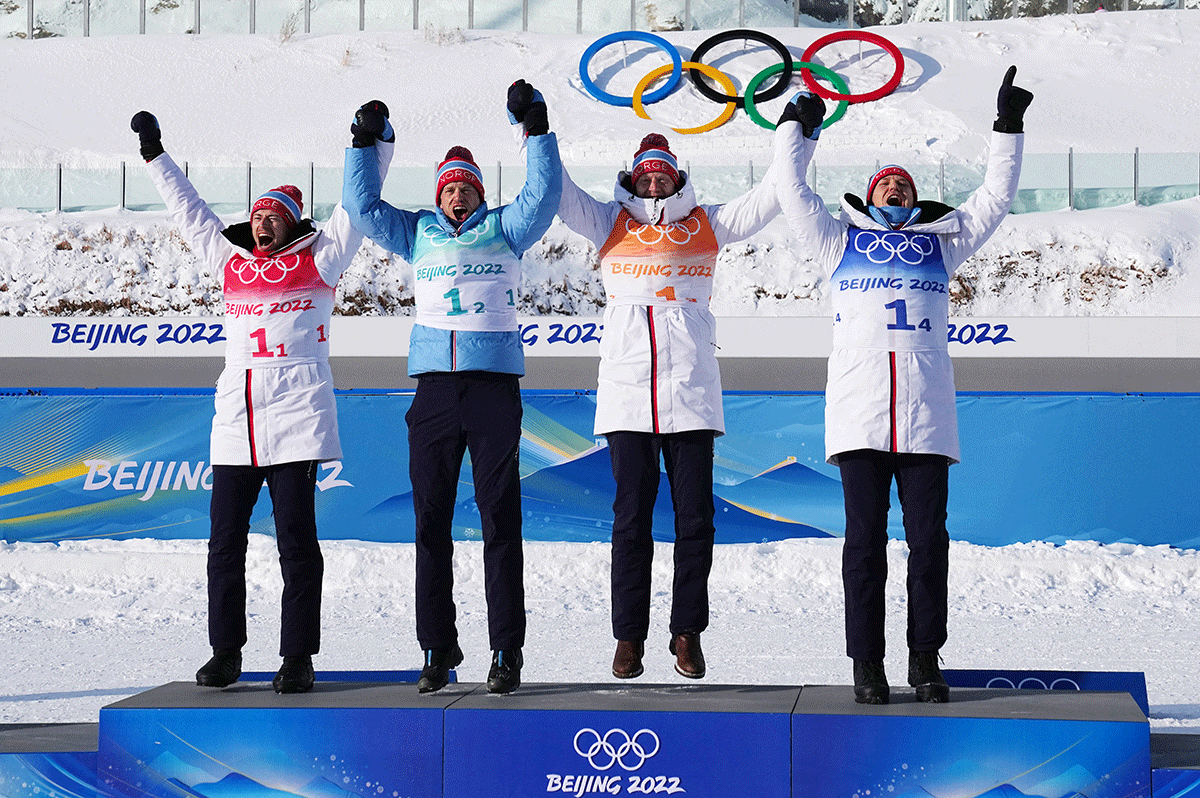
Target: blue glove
(1011,103)
(527,106)
(809,110)
(149,135)
(371,124)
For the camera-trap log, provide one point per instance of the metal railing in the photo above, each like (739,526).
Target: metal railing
(1049,182)
(285,18)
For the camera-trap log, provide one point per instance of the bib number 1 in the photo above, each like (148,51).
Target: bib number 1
(900,308)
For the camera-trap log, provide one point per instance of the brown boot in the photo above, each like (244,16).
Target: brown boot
(627,662)
(689,659)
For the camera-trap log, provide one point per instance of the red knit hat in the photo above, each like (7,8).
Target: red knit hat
(458,167)
(654,155)
(287,201)
(890,169)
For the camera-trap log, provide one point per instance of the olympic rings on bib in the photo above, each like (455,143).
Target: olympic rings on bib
(712,72)
(824,72)
(849,35)
(641,36)
(779,87)
(731,99)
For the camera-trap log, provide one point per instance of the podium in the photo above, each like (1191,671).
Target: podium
(372,740)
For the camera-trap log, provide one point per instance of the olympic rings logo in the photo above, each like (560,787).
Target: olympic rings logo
(911,249)
(438,237)
(608,756)
(809,71)
(268,270)
(1034,683)
(679,232)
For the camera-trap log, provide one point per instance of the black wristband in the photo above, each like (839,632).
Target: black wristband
(1009,125)
(151,150)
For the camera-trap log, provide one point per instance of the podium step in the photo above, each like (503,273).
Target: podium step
(361,740)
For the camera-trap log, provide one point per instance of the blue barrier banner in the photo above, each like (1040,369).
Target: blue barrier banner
(1110,468)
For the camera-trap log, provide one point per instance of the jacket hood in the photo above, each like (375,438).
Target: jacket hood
(477,215)
(241,236)
(655,211)
(936,217)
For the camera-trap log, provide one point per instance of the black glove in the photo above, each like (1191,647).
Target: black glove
(1011,103)
(149,135)
(809,110)
(520,97)
(371,124)
(536,121)
(526,106)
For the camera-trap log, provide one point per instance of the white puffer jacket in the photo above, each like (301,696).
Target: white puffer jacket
(658,363)
(891,382)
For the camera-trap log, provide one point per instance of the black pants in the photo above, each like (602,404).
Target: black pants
(451,414)
(235,491)
(635,462)
(922,483)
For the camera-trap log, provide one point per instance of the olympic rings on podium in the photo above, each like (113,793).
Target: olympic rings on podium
(619,36)
(847,35)
(779,87)
(712,72)
(822,71)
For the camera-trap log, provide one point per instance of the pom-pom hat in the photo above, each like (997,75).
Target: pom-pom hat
(654,155)
(287,201)
(458,167)
(887,171)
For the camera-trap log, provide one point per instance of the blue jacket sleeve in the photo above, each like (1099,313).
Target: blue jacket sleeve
(390,227)
(529,216)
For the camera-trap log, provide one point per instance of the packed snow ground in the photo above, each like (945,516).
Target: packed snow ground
(86,623)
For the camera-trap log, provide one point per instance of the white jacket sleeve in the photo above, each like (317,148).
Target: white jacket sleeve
(584,214)
(746,215)
(982,212)
(199,225)
(823,236)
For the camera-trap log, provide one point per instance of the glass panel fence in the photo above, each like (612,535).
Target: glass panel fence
(1098,180)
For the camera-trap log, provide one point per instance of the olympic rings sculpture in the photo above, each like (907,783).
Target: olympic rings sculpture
(752,96)
(822,71)
(777,89)
(612,38)
(861,35)
(712,72)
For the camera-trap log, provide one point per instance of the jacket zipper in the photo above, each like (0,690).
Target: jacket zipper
(653,368)
(250,418)
(892,403)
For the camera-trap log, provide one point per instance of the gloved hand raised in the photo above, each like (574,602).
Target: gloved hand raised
(149,135)
(1011,103)
(526,106)
(809,110)
(371,124)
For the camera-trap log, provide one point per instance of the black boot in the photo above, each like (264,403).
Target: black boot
(436,673)
(222,670)
(925,675)
(295,675)
(505,673)
(870,682)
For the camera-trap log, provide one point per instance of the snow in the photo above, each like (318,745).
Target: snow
(85,623)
